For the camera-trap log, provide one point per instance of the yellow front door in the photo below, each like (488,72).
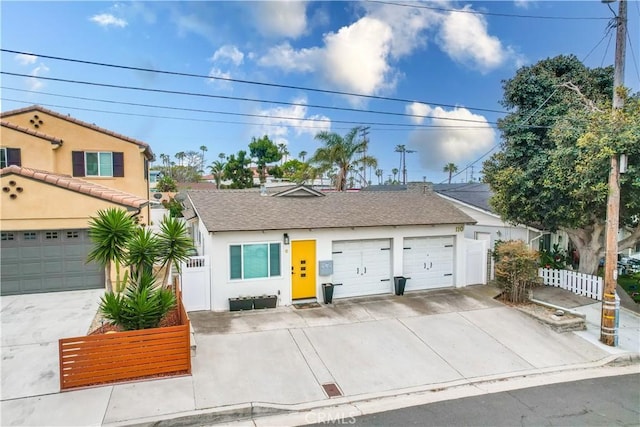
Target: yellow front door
(303,269)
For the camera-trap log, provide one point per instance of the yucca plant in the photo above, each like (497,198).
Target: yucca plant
(143,250)
(143,305)
(110,231)
(174,244)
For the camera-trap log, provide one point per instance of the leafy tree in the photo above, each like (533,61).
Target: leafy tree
(110,232)
(175,207)
(217,170)
(340,153)
(166,184)
(553,168)
(264,151)
(451,168)
(237,170)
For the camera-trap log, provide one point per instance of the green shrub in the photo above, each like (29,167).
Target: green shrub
(516,269)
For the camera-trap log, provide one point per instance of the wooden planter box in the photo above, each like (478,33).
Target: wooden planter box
(123,356)
(266,301)
(243,303)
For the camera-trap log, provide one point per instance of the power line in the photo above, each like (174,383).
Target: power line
(235,98)
(419,127)
(477,12)
(250,82)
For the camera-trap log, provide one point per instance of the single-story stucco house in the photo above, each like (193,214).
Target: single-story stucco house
(288,242)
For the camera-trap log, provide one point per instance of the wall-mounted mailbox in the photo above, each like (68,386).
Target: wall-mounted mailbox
(325,268)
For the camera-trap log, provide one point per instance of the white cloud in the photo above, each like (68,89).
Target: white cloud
(33,82)
(457,140)
(194,24)
(464,37)
(285,57)
(228,53)
(25,59)
(280,18)
(216,74)
(284,122)
(418,109)
(356,56)
(107,19)
(523,4)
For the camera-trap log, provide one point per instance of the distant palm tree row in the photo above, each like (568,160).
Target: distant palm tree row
(343,159)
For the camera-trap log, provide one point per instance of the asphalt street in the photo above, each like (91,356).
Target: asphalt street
(608,401)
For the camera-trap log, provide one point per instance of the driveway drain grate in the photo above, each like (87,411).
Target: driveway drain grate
(332,390)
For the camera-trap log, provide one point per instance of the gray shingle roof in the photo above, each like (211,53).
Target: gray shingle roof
(473,193)
(236,210)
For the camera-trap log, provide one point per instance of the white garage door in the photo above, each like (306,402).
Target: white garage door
(428,262)
(361,267)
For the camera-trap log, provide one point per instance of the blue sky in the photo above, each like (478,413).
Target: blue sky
(449,58)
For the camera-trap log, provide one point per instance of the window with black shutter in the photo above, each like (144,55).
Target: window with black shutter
(118,164)
(77,158)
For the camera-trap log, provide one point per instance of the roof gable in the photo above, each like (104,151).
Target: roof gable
(299,191)
(78,186)
(147,149)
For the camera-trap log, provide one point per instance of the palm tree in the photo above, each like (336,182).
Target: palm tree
(394,171)
(340,152)
(379,173)
(203,148)
(302,155)
(180,156)
(451,168)
(110,231)
(217,170)
(284,152)
(174,244)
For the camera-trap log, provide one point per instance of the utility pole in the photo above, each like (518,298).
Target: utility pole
(609,320)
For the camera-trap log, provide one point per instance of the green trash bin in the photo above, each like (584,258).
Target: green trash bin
(327,292)
(399,283)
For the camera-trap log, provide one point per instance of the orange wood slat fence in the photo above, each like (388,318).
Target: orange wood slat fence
(121,356)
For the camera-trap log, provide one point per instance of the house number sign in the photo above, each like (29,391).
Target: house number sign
(459,228)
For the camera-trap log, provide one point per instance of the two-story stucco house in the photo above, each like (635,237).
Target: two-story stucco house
(56,173)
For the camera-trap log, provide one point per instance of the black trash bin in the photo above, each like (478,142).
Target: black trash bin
(327,292)
(399,282)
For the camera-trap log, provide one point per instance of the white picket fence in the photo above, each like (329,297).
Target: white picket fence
(578,283)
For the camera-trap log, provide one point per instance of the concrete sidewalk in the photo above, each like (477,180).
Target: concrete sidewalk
(286,360)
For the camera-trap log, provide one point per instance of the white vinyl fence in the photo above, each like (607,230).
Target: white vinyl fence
(578,283)
(196,285)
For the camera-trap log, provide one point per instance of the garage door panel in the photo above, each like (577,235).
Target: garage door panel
(361,267)
(428,262)
(34,263)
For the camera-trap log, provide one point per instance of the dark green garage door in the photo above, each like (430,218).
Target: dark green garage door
(47,261)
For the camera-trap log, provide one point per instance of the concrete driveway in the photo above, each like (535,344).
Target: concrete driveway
(31,327)
(286,358)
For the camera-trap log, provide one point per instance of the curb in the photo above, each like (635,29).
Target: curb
(251,410)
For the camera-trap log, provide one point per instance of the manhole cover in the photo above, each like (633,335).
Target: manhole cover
(332,390)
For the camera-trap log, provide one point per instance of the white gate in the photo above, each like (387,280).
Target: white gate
(476,254)
(196,284)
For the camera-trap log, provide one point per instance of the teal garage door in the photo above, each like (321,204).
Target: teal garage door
(47,261)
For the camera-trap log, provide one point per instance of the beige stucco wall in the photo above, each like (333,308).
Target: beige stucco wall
(41,206)
(36,152)
(76,138)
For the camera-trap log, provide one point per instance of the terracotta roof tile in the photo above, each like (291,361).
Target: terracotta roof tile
(51,139)
(147,148)
(235,210)
(78,185)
